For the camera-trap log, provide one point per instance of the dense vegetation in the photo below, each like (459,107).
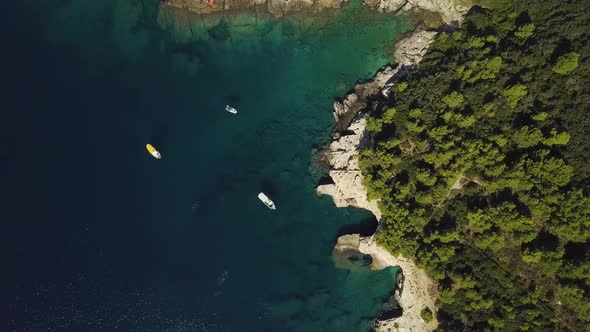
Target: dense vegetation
(480,159)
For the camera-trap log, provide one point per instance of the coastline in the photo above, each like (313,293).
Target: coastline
(442,11)
(415,291)
(275,8)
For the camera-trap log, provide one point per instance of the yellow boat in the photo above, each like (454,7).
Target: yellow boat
(153,151)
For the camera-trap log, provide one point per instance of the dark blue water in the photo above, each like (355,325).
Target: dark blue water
(98,235)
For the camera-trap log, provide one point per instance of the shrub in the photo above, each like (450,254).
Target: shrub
(566,63)
(514,94)
(402,86)
(454,99)
(426,315)
(525,31)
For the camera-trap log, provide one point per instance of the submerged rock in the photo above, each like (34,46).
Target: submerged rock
(220,31)
(185,63)
(351,260)
(347,256)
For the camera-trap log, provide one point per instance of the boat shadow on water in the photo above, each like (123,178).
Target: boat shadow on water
(272,191)
(160,137)
(234,99)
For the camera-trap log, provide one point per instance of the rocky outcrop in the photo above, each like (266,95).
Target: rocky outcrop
(347,109)
(349,105)
(448,10)
(409,51)
(347,188)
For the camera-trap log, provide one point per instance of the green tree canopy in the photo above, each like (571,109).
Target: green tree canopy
(480,160)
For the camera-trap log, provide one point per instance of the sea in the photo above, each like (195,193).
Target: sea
(97,235)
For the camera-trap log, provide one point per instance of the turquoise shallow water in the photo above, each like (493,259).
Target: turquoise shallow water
(116,240)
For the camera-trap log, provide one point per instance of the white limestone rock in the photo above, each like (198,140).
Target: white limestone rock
(410,50)
(449,10)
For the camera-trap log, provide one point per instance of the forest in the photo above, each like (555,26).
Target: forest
(480,162)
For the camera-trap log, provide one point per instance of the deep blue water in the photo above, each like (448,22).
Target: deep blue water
(99,236)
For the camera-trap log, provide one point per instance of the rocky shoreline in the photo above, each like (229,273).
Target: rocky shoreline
(415,291)
(276,8)
(446,10)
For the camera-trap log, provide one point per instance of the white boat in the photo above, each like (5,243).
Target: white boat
(267,201)
(231,109)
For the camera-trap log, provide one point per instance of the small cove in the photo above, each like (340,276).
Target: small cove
(183,244)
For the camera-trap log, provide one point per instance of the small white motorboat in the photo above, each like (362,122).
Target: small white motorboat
(231,109)
(267,201)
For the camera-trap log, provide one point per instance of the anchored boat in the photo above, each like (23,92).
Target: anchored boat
(231,109)
(155,153)
(267,201)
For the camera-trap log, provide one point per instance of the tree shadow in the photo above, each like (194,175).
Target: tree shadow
(366,227)
(563,46)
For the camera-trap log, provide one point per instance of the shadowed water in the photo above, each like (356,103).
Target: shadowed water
(102,236)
